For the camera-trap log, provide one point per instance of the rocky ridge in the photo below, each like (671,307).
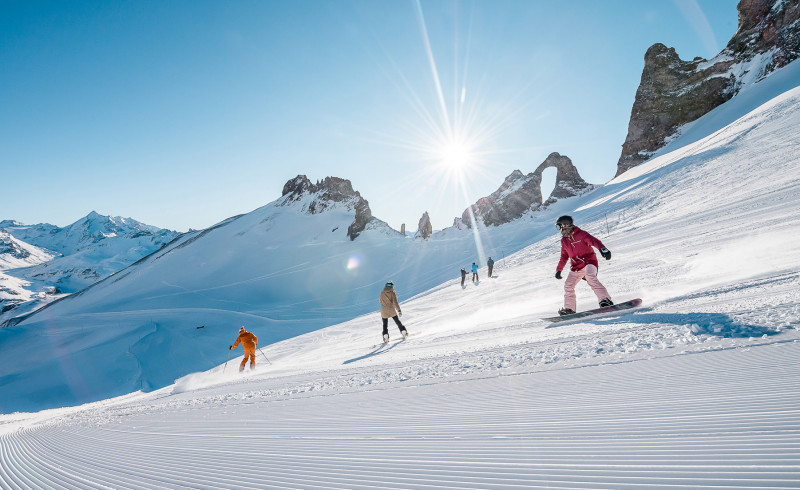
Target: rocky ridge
(522,193)
(674,92)
(328,193)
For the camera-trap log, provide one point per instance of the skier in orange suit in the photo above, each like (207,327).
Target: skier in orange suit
(249,343)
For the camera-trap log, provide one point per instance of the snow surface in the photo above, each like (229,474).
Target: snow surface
(699,388)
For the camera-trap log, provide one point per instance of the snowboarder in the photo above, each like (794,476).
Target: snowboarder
(463,276)
(490,265)
(249,343)
(390,308)
(576,245)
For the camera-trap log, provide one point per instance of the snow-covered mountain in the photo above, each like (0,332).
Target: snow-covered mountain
(71,258)
(16,254)
(696,389)
(308,260)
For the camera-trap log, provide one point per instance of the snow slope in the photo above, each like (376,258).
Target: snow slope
(278,269)
(699,388)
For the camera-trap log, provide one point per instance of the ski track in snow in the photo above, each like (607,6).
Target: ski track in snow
(724,419)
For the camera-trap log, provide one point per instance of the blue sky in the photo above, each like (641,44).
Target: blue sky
(182,113)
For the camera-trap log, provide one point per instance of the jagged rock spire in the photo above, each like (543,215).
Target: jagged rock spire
(425,228)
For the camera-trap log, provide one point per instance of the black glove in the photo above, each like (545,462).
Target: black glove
(606,253)
(558,274)
(230,348)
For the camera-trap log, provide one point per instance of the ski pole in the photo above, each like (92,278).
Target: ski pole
(265,356)
(226,361)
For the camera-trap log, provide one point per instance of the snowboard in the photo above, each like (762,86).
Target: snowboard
(606,309)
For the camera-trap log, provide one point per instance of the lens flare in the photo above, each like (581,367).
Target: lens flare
(353,262)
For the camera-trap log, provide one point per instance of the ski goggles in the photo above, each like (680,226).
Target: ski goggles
(563,226)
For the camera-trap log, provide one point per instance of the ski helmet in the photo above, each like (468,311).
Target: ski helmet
(241,329)
(389,284)
(564,221)
(564,224)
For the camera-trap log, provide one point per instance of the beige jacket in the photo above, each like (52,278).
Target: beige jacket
(388,301)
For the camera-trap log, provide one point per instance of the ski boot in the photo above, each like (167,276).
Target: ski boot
(566,311)
(606,302)
(404,333)
(385,338)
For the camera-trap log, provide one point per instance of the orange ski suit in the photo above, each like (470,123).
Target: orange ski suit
(249,342)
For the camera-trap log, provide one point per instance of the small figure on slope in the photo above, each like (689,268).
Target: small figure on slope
(475,272)
(390,308)
(463,276)
(576,245)
(249,343)
(490,265)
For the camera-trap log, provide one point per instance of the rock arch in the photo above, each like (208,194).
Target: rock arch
(521,193)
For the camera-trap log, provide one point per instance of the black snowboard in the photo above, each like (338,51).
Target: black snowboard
(606,309)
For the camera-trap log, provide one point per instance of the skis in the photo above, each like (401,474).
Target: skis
(391,341)
(606,309)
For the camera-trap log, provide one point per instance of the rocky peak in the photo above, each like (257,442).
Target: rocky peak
(326,194)
(521,193)
(425,228)
(673,92)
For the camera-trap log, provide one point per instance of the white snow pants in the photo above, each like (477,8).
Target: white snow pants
(574,277)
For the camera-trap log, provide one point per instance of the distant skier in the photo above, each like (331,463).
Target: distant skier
(576,245)
(490,265)
(390,308)
(463,276)
(475,272)
(249,343)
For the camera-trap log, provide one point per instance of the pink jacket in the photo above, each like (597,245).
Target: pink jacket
(578,248)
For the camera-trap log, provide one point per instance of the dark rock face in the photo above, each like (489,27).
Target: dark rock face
(331,191)
(425,228)
(521,193)
(673,92)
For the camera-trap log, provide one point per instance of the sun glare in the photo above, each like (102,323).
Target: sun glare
(455,155)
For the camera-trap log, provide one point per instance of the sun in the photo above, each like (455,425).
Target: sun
(456,155)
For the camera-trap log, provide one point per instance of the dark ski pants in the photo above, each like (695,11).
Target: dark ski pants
(386,324)
(463,278)
(475,277)
(490,270)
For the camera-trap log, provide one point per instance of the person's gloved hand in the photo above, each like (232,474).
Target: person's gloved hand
(399,313)
(606,253)
(558,274)
(230,348)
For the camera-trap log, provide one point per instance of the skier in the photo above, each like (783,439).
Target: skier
(475,273)
(463,276)
(388,301)
(249,343)
(576,245)
(490,265)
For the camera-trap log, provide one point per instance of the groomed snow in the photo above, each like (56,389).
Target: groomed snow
(699,388)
